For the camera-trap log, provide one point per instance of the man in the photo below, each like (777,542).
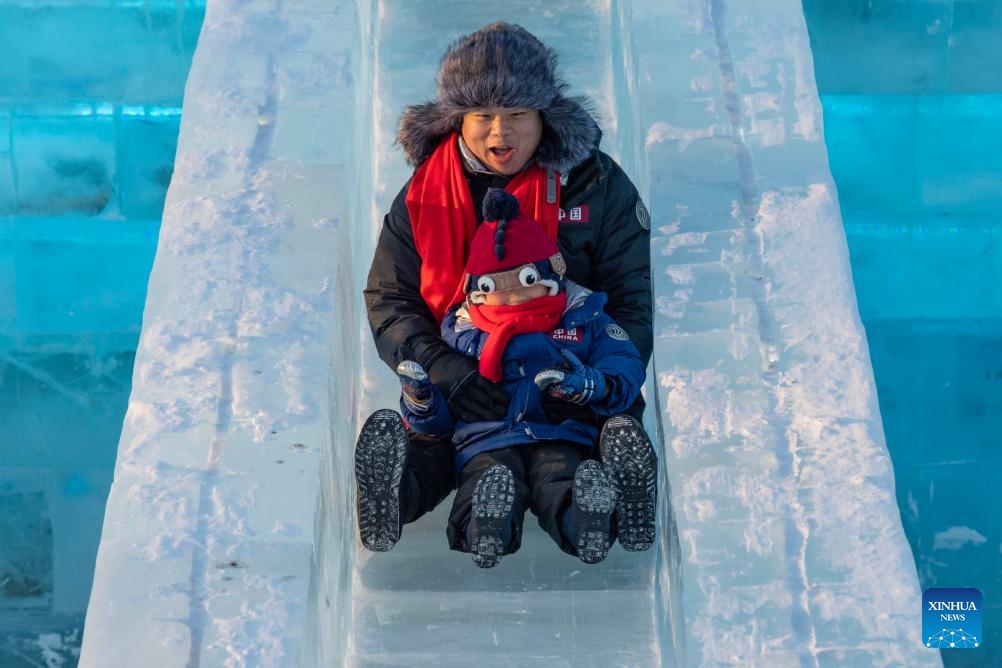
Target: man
(500,119)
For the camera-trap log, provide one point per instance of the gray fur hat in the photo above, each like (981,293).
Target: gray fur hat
(502,65)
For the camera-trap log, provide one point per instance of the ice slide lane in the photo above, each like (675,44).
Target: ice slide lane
(420,604)
(760,391)
(229,539)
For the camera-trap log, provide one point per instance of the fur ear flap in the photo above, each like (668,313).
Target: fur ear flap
(570,134)
(422,128)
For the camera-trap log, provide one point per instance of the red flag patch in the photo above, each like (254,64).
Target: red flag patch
(577,214)
(572,335)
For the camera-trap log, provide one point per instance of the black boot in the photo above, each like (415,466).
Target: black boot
(490,524)
(380,454)
(595,497)
(629,458)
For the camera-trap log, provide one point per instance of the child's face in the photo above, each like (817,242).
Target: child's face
(516,295)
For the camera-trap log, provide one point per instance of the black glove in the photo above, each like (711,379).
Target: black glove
(470,396)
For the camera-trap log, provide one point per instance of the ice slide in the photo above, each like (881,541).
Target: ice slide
(229,539)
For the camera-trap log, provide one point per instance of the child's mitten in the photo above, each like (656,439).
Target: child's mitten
(578,384)
(416,388)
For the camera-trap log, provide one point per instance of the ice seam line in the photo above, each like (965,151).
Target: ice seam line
(795,528)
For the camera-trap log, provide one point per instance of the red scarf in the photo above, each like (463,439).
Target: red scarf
(503,322)
(444,222)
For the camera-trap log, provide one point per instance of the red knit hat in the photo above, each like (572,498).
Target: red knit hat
(508,240)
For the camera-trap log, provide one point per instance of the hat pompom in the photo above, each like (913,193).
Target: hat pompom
(500,205)
(507,239)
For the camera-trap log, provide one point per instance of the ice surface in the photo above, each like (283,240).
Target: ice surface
(920,177)
(229,535)
(924,141)
(89,115)
(951,46)
(55,53)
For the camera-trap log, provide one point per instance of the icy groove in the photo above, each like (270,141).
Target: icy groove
(198,616)
(208,505)
(796,529)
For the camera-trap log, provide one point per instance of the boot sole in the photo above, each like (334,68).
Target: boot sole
(629,459)
(595,497)
(493,499)
(380,453)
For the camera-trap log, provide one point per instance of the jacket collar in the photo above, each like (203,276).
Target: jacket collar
(470,161)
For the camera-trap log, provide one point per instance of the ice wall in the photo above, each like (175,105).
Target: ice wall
(229,533)
(783,488)
(215,535)
(90,104)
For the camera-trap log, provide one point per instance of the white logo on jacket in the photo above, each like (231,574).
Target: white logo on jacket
(616,332)
(643,215)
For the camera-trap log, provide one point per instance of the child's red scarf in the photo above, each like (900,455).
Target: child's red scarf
(503,322)
(441,211)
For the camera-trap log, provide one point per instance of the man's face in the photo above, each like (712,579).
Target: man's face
(503,138)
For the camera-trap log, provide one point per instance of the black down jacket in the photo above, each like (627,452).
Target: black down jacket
(604,236)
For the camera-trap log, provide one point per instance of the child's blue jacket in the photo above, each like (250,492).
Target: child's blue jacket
(586,331)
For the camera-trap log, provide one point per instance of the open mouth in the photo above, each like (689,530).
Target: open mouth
(502,153)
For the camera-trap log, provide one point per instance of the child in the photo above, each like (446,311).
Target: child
(534,332)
